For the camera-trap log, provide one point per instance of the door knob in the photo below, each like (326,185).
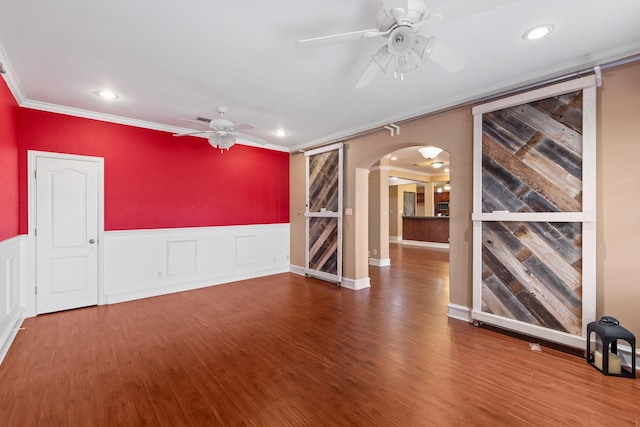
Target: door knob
(92,241)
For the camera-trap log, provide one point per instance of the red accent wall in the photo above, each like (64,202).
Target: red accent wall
(9,219)
(155,180)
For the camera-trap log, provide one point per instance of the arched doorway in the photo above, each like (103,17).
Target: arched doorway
(408,188)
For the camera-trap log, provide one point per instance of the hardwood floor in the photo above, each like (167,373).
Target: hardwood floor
(289,351)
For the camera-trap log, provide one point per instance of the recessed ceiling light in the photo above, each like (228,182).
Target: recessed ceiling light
(538,32)
(437,165)
(394,158)
(280,132)
(106,94)
(447,170)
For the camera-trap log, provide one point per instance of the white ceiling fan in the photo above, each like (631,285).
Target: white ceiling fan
(222,132)
(400,22)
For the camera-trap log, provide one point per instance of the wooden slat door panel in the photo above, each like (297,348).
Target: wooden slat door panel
(324,213)
(534,204)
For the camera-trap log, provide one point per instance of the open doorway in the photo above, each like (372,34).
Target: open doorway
(409,202)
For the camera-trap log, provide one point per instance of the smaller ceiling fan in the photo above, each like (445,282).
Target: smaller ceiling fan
(400,22)
(222,132)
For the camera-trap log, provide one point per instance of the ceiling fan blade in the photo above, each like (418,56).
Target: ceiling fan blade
(250,138)
(196,121)
(447,58)
(368,74)
(431,19)
(200,132)
(335,38)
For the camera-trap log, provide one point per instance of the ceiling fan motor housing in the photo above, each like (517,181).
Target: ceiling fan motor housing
(221,124)
(417,10)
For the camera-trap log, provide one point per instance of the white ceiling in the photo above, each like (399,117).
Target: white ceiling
(170,59)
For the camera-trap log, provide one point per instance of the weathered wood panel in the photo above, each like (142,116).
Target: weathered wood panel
(323,194)
(323,181)
(323,245)
(532,156)
(532,272)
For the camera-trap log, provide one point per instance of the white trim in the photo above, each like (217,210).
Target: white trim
(190,286)
(412,172)
(459,312)
(324,149)
(395,239)
(296,269)
(32,157)
(12,279)
(139,263)
(110,118)
(432,245)
(625,352)
(536,94)
(380,168)
(586,216)
(356,285)
(384,262)
(339,147)
(10,78)
(532,330)
(7,339)
(535,216)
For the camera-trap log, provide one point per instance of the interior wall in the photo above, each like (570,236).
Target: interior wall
(618,204)
(154,180)
(297,203)
(394,231)
(9,218)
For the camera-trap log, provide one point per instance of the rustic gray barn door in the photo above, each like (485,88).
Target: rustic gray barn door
(324,213)
(534,212)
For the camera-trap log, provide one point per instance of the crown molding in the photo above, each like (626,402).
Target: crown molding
(412,172)
(10,79)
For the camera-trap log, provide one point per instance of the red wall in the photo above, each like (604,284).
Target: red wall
(9,219)
(155,180)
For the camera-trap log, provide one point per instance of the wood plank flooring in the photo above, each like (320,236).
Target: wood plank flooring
(289,351)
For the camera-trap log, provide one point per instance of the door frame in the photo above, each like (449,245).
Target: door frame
(32,156)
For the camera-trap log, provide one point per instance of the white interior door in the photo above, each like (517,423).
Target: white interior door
(67,209)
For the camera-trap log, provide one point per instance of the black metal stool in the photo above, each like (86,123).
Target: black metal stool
(609,331)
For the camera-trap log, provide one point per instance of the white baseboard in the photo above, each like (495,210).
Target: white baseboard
(459,312)
(10,334)
(395,239)
(385,262)
(146,263)
(432,245)
(296,269)
(182,287)
(356,285)
(12,300)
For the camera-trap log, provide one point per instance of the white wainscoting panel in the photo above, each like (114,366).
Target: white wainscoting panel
(145,263)
(11,306)
(181,256)
(246,249)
